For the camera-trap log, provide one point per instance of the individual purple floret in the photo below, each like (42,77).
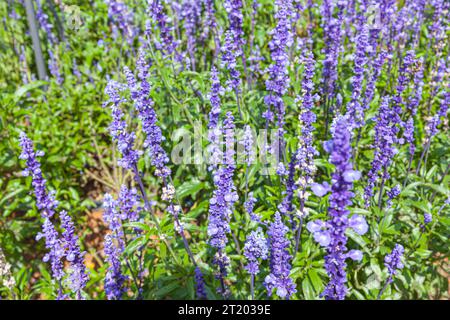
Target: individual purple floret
(280,261)
(393,261)
(255,248)
(78,276)
(199,284)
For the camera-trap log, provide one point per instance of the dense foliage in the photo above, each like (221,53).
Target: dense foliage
(236,149)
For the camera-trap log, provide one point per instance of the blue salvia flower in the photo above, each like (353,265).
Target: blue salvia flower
(405,71)
(148,117)
(306,150)
(214,133)
(54,68)
(228,61)
(376,68)
(76,71)
(191,13)
(114,242)
(278,82)
(153,141)
(45,200)
(333,36)
(129,203)
(255,248)
(427,218)
(78,276)
(248,145)
(249,206)
(286,205)
(166,43)
(393,261)
(54,246)
(384,145)
(331,234)
(42,18)
(118,127)
(408,134)
(443,108)
(280,261)
(46,204)
(235,16)
(418,89)
(122,19)
(200,284)
(209,21)
(355,108)
(214,98)
(392,194)
(114,278)
(222,202)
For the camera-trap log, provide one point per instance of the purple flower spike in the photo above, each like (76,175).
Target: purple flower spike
(427,218)
(278,82)
(222,202)
(78,276)
(114,278)
(341,196)
(393,261)
(54,246)
(255,248)
(46,204)
(280,261)
(118,127)
(199,284)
